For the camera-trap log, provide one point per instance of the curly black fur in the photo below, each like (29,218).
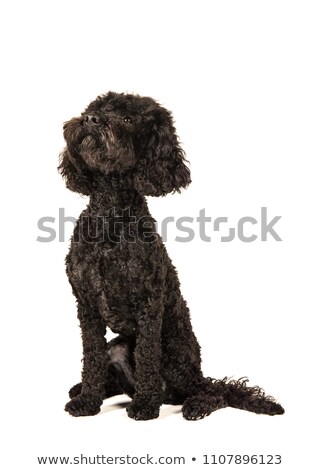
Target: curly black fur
(121,149)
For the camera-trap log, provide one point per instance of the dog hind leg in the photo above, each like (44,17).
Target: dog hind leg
(121,365)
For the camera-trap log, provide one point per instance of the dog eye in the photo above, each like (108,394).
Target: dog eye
(128,119)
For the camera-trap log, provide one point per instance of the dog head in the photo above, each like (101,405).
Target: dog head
(126,135)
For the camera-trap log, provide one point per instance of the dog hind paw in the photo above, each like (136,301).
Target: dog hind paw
(75,390)
(82,405)
(195,408)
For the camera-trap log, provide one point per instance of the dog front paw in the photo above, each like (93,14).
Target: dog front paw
(142,411)
(83,405)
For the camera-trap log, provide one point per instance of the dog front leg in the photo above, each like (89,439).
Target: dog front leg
(93,330)
(148,396)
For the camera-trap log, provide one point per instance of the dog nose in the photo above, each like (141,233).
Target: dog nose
(91,120)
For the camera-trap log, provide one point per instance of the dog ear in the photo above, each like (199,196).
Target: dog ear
(161,168)
(76,180)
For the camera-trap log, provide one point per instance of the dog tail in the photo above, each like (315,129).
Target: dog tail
(237,394)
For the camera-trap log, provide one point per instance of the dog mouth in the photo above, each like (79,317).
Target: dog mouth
(99,148)
(97,151)
(88,141)
(100,139)
(99,145)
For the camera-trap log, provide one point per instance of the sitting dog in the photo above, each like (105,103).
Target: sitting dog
(122,148)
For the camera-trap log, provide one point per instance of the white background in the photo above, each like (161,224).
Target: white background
(243,81)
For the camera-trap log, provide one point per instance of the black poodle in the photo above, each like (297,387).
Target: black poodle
(122,148)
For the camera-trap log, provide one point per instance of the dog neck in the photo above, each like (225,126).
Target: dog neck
(114,192)
(117,209)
